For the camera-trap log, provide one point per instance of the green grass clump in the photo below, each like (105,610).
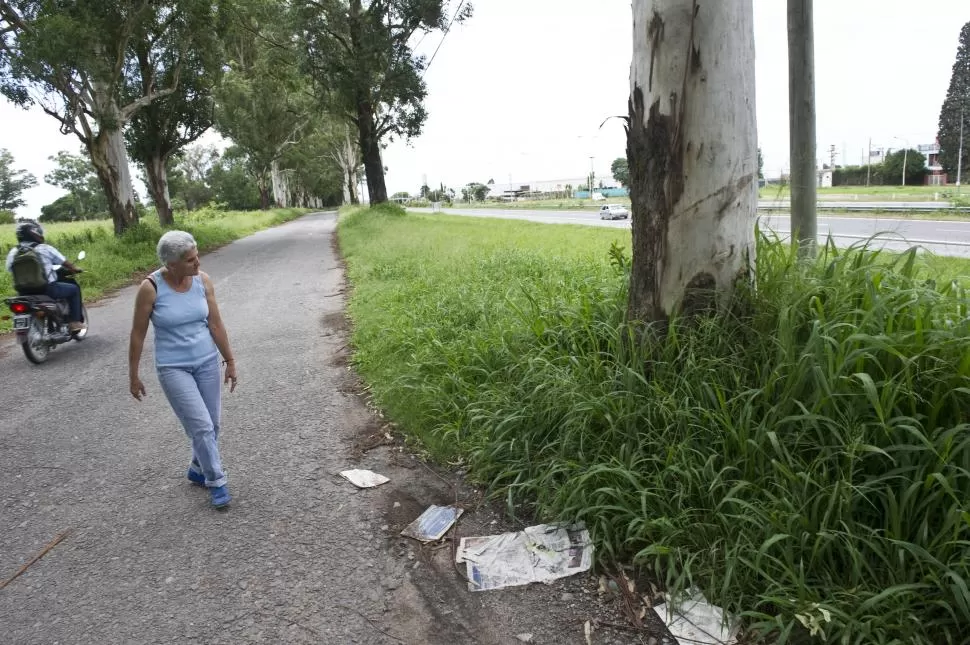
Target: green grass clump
(804,457)
(112,261)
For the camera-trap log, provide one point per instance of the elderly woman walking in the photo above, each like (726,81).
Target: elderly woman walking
(180,302)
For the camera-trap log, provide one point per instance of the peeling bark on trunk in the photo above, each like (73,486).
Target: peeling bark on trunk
(281,188)
(692,152)
(262,183)
(371,148)
(157,177)
(110,160)
(348,158)
(347,187)
(350,189)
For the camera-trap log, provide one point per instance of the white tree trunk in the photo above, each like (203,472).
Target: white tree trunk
(348,180)
(157,177)
(109,156)
(348,157)
(692,150)
(281,189)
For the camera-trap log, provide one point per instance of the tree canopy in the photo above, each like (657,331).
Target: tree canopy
(955,106)
(13,182)
(360,56)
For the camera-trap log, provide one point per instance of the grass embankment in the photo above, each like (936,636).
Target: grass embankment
(869,193)
(805,460)
(112,261)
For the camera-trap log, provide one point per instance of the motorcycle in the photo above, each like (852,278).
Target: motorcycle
(40,322)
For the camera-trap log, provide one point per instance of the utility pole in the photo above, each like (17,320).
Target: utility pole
(832,154)
(801,120)
(869,163)
(905,156)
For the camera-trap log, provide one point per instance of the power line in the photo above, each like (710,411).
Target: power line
(445,35)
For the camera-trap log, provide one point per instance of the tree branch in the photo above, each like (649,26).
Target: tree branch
(165,25)
(10,14)
(89,134)
(66,124)
(383,127)
(340,39)
(129,28)
(86,91)
(136,105)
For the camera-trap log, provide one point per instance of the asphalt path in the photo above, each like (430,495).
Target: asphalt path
(301,556)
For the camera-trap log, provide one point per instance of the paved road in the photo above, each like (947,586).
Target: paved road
(939,236)
(300,557)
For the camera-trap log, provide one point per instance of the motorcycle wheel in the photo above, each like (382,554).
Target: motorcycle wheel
(35,347)
(81,335)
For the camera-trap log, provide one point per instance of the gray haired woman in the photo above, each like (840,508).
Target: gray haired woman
(180,302)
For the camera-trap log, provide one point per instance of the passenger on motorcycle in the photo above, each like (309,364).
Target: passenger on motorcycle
(32,264)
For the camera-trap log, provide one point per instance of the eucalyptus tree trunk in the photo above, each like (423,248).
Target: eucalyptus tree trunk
(157,176)
(281,185)
(109,156)
(692,152)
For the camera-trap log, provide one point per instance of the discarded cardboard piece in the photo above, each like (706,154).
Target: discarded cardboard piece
(694,621)
(432,525)
(364,478)
(542,553)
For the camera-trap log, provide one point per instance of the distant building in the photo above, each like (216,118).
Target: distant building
(577,187)
(934,175)
(824,178)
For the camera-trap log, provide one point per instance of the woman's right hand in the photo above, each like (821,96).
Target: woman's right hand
(137,387)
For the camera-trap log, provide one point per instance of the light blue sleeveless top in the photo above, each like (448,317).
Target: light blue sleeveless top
(181,322)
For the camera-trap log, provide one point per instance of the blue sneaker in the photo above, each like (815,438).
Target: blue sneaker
(220,496)
(195,477)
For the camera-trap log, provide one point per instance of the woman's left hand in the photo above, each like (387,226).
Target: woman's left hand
(231,376)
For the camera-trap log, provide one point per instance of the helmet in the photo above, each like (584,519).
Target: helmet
(30,232)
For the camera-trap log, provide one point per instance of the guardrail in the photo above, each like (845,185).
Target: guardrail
(870,208)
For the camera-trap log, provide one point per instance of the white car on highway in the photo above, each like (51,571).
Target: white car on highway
(614,211)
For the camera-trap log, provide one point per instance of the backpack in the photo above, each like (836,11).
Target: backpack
(28,270)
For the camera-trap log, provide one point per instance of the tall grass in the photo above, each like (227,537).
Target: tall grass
(804,458)
(112,261)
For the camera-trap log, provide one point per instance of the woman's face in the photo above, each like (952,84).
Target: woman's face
(188,265)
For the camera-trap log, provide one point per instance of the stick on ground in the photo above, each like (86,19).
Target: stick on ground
(50,545)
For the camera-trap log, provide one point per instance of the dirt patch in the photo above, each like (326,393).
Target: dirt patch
(372,435)
(335,322)
(340,358)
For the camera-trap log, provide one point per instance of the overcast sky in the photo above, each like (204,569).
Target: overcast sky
(521,89)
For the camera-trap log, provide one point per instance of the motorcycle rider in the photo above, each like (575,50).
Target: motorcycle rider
(30,235)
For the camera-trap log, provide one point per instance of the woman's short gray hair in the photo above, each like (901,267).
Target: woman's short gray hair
(173,246)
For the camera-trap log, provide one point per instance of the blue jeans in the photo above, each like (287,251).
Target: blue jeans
(70,292)
(195,395)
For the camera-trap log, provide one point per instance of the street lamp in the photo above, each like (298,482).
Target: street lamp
(905,153)
(590,140)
